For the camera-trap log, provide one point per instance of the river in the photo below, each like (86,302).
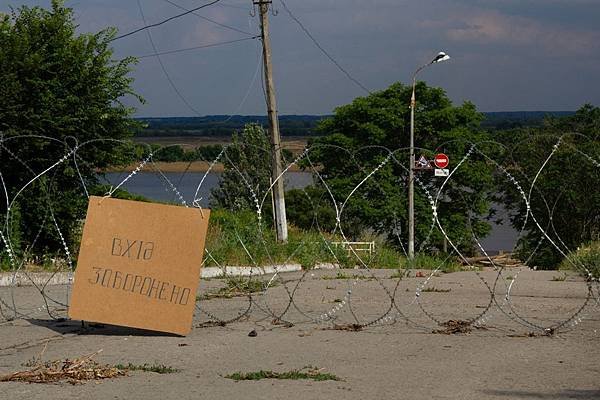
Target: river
(153,186)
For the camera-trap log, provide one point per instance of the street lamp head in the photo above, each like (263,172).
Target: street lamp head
(440,57)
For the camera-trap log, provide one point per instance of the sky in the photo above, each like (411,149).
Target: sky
(506,55)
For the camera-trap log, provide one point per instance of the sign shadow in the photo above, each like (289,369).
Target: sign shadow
(67,326)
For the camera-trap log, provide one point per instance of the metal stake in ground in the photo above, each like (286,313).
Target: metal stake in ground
(278,190)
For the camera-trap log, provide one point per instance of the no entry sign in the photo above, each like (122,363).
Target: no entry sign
(441,160)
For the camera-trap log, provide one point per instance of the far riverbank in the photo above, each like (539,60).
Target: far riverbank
(181,166)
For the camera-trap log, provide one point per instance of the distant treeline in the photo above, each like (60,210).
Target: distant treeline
(201,153)
(304,125)
(519,119)
(177,153)
(225,125)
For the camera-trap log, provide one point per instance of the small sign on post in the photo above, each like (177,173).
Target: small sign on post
(422,163)
(139,265)
(441,161)
(442,172)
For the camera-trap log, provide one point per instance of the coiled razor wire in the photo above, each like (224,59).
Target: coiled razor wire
(413,312)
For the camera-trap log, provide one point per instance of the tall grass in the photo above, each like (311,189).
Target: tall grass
(586,257)
(238,239)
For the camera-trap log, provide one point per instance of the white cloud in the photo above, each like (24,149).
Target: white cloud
(495,27)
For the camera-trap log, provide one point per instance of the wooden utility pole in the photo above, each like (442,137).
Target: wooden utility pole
(278,190)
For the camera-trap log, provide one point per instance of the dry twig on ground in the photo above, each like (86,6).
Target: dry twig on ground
(454,326)
(73,371)
(346,327)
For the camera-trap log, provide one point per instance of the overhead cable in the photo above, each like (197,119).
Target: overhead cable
(233,28)
(162,53)
(165,20)
(329,56)
(162,66)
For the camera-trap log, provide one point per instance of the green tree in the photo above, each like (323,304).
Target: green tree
(246,178)
(310,208)
(357,140)
(208,152)
(170,154)
(57,84)
(564,199)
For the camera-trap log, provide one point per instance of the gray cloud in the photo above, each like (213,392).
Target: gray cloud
(507,54)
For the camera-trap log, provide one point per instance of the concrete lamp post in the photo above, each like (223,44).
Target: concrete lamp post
(411,174)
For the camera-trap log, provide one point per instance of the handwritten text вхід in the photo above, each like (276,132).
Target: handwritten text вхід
(136,249)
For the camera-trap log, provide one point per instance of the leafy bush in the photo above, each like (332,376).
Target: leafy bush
(310,208)
(569,181)
(208,152)
(584,259)
(101,190)
(170,154)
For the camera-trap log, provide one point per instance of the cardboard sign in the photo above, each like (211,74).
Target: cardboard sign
(139,265)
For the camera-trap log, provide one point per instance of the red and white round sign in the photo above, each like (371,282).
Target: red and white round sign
(441,160)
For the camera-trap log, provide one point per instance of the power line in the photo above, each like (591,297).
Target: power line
(165,20)
(233,28)
(233,6)
(168,77)
(162,66)
(256,71)
(348,75)
(197,47)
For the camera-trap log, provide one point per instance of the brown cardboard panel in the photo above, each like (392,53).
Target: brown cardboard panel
(139,265)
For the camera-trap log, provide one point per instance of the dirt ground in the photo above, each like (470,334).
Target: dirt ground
(505,356)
